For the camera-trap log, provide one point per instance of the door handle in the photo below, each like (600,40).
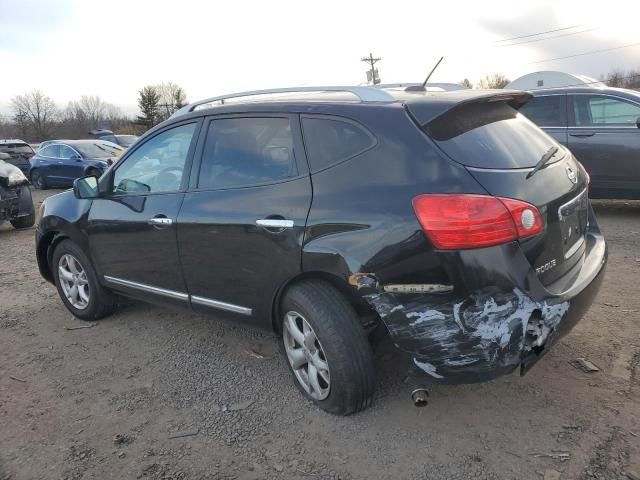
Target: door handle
(579,135)
(160,221)
(274,223)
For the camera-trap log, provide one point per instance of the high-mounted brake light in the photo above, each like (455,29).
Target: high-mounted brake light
(465,221)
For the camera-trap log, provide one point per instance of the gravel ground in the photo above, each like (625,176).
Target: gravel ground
(104,402)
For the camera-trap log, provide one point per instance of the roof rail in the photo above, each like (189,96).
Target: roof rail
(364,93)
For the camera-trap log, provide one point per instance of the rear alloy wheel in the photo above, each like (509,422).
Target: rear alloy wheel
(326,348)
(78,284)
(306,356)
(37,181)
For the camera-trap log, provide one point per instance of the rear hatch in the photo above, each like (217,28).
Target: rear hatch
(500,147)
(19,154)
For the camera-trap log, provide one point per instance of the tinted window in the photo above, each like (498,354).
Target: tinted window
(491,135)
(50,151)
(15,148)
(546,111)
(329,141)
(246,151)
(66,152)
(108,137)
(590,110)
(94,150)
(157,165)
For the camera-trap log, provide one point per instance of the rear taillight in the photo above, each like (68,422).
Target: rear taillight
(463,221)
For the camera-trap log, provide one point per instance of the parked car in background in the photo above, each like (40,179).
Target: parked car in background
(444,219)
(601,127)
(19,153)
(16,204)
(123,140)
(60,162)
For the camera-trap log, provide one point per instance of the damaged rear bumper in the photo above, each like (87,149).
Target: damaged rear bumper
(507,320)
(15,202)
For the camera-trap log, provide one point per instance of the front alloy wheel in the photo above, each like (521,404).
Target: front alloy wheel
(306,356)
(74,281)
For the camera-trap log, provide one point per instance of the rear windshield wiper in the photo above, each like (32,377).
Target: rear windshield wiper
(543,160)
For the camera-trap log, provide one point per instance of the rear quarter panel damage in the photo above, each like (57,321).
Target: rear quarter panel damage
(482,335)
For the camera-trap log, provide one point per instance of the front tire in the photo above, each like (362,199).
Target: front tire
(24,222)
(78,285)
(327,348)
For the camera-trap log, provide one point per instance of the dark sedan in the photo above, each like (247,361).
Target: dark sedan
(601,127)
(60,163)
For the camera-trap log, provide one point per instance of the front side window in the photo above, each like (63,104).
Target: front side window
(157,165)
(546,111)
(595,110)
(247,151)
(329,141)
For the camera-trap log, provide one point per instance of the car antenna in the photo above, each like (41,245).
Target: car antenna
(423,87)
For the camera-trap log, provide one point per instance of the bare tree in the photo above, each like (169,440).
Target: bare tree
(622,79)
(172,98)
(466,83)
(35,112)
(495,80)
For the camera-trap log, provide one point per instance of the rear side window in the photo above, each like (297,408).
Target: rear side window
(330,141)
(547,111)
(15,148)
(594,110)
(247,151)
(490,135)
(51,151)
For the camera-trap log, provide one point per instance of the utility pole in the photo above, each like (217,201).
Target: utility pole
(372,61)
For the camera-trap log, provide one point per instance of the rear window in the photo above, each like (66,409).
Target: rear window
(15,148)
(329,141)
(490,135)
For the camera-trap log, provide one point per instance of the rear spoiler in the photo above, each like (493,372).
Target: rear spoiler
(456,112)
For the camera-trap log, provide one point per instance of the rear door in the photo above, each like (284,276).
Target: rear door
(549,112)
(500,147)
(241,225)
(605,138)
(132,228)
(49,165)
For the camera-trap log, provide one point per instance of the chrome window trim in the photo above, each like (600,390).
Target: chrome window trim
(147,288)
(230,307)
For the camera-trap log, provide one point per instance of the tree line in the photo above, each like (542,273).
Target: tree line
(36,117)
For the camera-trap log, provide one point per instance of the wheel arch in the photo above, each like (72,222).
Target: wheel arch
(44,250)
(332,279)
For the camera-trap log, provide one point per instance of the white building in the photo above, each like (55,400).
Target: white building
(551,79)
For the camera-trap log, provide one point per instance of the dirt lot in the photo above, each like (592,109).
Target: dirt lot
(148,373)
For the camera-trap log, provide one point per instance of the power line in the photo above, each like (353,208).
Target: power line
(539,33)
(549,38)
(586,53)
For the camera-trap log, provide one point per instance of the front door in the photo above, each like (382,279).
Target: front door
(132,229)
(241,227)
(70,164)
(604,137)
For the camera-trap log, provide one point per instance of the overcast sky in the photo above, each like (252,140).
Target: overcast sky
(68,48)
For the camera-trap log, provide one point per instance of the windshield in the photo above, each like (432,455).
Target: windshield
(126,140)
(15,148)
(93,150)
(491,136)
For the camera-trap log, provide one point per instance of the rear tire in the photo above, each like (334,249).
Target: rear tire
(78,285)
(338,342)
(24,222)
(38,181)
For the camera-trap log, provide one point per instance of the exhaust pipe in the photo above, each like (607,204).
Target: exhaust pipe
(420,397)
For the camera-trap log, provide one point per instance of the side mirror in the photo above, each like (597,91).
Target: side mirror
(76,157)
(86,187)
(638,122)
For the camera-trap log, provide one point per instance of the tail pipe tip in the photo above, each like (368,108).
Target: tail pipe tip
(420,397)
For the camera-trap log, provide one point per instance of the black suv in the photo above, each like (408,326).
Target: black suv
(329,215)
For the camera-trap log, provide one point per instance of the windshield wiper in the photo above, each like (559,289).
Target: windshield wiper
(543,160)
